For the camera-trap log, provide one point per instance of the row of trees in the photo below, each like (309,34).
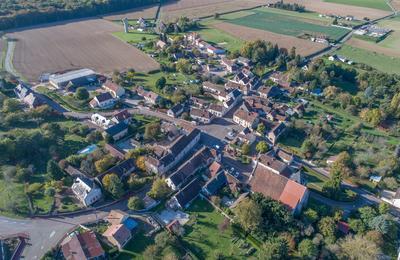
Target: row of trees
(291,7)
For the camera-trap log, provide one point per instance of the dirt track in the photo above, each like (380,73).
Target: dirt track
(373,47)
(396,4)
(320,6)
(303,47)
(201,8)
(86,43)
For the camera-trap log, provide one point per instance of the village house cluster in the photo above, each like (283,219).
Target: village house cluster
(182,155)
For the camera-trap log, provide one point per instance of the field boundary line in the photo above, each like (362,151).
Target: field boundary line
(8,60)
(3,52)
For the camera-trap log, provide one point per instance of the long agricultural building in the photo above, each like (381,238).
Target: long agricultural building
(82,77)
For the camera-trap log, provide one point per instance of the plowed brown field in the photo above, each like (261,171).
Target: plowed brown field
(78,44)
(202,8)
(303,47)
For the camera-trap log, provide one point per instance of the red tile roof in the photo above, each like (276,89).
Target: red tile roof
(111,85)
(292,194)
(119,232)
(214,168)
(277,187)
(82,246)
(343,227)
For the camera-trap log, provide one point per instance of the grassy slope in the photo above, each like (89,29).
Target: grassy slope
(285,24)
(379,61)
(393,40)
(375,4)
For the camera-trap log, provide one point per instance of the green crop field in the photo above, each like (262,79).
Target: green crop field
(379,61)
(375,4)
(280,23)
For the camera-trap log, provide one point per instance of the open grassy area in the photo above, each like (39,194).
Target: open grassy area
(286,24)
(314,180)
(392,41)
(173,79)
(220,38)
(375,4)
(13,194)
(135,37)
(135,248)
(204,238)
(379,61)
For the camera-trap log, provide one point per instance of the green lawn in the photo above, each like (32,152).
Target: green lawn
(311,17)
(203,237)
(135,37)
(12,195)
(314,180)
(135,248)
(379,61)
(392,41)
(221,38)
(43,203)
(286,24)
(174,79)
(375,4)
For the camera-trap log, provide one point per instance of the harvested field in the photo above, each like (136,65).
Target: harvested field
(332,8)
(203,8)
(373,47)
(303,47)
(375,4)
(145,12)
(85,43)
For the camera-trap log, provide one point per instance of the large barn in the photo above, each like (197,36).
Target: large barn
(77,78)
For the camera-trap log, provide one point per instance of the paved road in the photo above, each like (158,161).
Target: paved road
(45,233)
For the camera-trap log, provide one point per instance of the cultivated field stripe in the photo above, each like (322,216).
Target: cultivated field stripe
(322,7)
(303,47)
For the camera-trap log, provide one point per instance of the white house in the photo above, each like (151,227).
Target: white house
(175,111)
(115,90)
(104,100)
(215,50)
(391,197)
(101,121)
(86,191)
(217,110)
